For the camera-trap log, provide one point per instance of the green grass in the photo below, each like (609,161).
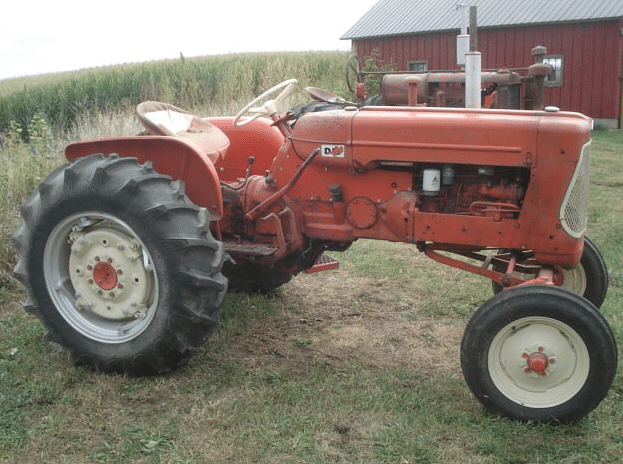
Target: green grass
(447,292)
(224,412)
(606,218)
(22,167)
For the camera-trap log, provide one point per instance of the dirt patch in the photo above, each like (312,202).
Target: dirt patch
(336,318)
(10,309)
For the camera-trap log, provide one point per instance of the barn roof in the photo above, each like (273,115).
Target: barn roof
(403,17)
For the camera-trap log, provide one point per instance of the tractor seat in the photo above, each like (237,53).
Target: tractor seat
(164,119)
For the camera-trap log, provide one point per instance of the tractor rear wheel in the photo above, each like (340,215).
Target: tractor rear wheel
(120,266)
(539,353)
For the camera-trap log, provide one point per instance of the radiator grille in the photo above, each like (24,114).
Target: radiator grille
(574,210)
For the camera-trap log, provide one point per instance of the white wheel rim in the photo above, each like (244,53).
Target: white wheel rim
(560,352)
(100,277)
(574,279)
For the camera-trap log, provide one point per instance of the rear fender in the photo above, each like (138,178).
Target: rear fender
(170,156)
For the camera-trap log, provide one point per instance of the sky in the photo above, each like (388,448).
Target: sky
(39,37)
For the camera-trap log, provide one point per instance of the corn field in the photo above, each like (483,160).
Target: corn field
(185,82)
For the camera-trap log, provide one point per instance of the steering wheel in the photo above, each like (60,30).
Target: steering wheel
(353,72)
(268,107)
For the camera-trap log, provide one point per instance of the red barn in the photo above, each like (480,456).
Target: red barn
(583,39)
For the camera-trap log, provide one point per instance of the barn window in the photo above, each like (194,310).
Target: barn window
(418,66)
(556,62)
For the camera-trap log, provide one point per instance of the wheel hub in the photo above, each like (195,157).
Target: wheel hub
(109,273)
(105,276)
(537,361)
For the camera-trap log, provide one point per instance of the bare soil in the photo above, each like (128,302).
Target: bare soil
(334,317)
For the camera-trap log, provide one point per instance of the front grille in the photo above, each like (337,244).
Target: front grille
(574,209)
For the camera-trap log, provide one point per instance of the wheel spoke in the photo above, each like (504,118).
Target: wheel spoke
(63,286)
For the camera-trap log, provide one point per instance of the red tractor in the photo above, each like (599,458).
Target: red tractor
(127,252)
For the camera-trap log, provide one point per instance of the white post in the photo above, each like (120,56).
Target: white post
(473,66)
(462,40)
(473,70)
(465,24)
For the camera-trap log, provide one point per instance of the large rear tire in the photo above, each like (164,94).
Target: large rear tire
(541,354)
(120,266)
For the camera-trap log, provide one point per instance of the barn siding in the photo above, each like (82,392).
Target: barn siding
(593,58)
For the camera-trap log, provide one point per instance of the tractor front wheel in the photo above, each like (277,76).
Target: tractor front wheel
(120,266)
(589,278)
(541,354)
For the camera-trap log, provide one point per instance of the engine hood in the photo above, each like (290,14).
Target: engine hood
(329,131)
(365,137)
